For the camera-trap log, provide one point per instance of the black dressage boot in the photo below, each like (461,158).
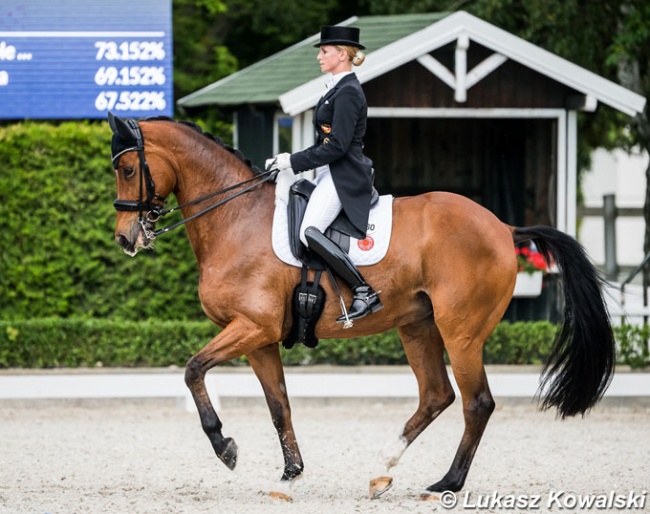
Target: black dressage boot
(365,299)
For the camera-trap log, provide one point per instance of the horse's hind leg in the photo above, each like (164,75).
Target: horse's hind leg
(267,365)
(467,364)
(424,349)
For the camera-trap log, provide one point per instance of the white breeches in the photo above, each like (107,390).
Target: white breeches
(324,205)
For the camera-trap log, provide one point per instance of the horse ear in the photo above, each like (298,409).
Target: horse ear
(119,127)
(111,122)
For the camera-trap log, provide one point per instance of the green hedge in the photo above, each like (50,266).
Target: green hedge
(51,343)
(57,254)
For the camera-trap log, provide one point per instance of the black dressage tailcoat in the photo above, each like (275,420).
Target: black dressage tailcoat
(340,122)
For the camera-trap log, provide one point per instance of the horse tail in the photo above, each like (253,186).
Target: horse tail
(580,366)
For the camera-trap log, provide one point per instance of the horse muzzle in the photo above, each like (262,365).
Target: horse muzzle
(140,236)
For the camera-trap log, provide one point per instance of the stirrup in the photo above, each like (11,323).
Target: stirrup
(345,319)
(372,305)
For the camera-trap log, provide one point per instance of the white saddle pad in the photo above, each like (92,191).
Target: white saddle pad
(364,252)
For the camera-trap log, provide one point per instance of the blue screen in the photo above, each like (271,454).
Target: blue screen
(69,59)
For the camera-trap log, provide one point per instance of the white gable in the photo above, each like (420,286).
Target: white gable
(467,28)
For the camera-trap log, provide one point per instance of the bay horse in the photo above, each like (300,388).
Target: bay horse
(446,282)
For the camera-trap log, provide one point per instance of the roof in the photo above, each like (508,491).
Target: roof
(265,81)
(392,41)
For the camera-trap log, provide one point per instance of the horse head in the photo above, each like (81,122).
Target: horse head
(144,179)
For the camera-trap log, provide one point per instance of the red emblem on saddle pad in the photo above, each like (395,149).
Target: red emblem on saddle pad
(366,244)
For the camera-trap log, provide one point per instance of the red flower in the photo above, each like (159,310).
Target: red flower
(530,260)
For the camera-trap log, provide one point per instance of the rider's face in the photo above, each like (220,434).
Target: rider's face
(331,59)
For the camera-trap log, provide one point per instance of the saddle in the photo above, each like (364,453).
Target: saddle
(339,231)
(309,297)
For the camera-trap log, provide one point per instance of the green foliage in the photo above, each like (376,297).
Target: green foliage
(57,254)
(633,345)
(199,55)
(520,343)
(51,343)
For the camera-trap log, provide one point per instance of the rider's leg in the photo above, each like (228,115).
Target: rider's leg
(365,299)
(323,207)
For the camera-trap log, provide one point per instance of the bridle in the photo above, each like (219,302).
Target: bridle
(150,208)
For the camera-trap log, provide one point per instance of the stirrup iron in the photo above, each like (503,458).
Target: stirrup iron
(347,322)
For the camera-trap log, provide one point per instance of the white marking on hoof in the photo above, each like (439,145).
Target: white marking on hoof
(283,490)
(387,458)
(379,486)
(277,495)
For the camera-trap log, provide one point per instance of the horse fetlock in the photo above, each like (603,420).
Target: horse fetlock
(226,449)
(283,490)
(390,456)
(451,482)
(293,472)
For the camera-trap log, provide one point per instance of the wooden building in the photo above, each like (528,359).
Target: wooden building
(455,104)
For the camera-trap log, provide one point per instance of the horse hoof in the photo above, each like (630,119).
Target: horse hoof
(277,495)
(228,453)
(379,486)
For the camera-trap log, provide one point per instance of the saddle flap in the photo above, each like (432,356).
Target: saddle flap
(303,187)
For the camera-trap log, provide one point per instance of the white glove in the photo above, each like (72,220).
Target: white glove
(279,162)
(283,181)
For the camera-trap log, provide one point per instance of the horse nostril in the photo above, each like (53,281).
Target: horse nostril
(122,240)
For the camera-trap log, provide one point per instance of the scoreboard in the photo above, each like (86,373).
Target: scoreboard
(69,59)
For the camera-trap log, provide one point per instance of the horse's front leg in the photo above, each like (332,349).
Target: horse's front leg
(267,365)
(238,338)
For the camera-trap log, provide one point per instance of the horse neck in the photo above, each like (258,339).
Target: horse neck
(201,173)
(204,167)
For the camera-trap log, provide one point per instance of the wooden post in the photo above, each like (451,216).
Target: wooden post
(611,266)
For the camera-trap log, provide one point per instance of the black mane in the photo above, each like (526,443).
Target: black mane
(237,153)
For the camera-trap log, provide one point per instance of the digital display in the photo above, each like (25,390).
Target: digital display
(69,59)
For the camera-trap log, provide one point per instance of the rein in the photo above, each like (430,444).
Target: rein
(154,211)
(261,179)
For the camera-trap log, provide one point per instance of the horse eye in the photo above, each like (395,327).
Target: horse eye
(127,172)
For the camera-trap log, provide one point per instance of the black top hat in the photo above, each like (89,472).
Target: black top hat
(337,35)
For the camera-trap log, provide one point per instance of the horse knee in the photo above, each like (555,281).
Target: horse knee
(435,403)
(482,405)
(448,399)
(193,371)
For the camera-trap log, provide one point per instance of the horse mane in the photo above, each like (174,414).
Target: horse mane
(196,128)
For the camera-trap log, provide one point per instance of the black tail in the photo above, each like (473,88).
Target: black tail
(582,358)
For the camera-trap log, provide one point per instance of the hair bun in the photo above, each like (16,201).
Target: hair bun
(358,58)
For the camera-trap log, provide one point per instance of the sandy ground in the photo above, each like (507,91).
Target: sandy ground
(150,457)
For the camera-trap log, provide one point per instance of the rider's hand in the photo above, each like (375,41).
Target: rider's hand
(279,162)
(283,161)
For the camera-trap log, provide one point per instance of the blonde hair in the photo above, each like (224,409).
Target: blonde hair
(354,54)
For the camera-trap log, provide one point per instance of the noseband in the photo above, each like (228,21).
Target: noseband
(150,209)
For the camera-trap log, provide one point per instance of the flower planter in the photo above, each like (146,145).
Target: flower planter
(528,285)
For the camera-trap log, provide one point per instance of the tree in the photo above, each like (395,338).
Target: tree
(630,52)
